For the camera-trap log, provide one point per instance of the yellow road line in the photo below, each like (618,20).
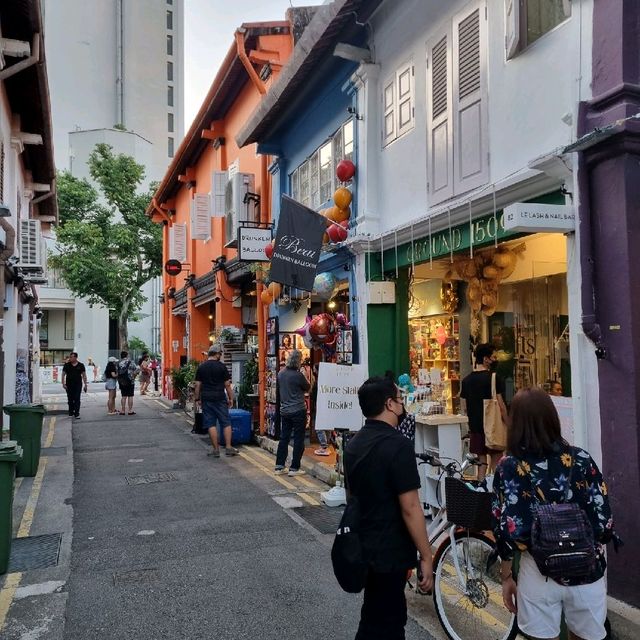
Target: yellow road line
(13,579)
(309,499)
(50,433)
(7,593)
(303,480)
(30,509)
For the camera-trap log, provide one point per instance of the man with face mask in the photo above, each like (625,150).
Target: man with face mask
(381,470)
(476,388)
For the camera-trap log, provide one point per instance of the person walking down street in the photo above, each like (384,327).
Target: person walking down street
(155,366)
(540,468)
(476,388)
(145,373)
(93,369)
(214,391)
(111,384)
(74,379)
(293,414)
(381,471)
(127,372)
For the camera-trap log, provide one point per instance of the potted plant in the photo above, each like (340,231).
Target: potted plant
(249,380)
(182,377)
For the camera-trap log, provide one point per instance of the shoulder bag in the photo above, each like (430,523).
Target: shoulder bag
(495,430)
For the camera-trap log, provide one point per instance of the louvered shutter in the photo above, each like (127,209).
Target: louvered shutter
(219,182)
(30,244)
(201,216)
(471,165)
(511,27)
(404,93)
(178,242)
(439,114)
(389,111)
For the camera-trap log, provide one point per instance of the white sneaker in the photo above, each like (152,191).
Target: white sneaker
(295,472)
(279,472)
(322,452)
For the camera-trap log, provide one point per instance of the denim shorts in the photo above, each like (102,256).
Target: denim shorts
(215,412)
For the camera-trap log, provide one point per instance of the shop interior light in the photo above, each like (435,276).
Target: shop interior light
(210,317)
(332,304)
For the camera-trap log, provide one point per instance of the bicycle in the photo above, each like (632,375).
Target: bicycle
(467,592)
(187,400)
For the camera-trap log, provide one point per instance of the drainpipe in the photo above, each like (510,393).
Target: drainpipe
(34,58)
(262,338)
(119,63)
(5,254)
(242,54)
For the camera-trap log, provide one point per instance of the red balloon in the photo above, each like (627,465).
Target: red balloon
(323,328)
(338,232)
(269,250)
(345,170)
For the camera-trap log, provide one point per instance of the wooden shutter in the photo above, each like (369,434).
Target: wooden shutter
(389,111)
(201,216)
(511,27)
(439,118)
(471,162)
(404,101)
(30,243)
(219,182)
(178,242)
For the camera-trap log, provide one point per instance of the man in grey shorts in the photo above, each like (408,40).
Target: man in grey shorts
(213,389)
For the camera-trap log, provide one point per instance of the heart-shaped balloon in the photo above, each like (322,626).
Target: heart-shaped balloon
(269,250)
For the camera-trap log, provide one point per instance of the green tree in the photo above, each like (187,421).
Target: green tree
(107,247)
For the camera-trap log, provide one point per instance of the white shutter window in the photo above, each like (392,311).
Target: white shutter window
(471,165)
(30,244)
(440,121)
(405,101)
(511,27)
(219,182)
(178,242)
(389,111)
(201,216)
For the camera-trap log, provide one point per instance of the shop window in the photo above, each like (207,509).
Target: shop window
(169,19)
(347,141)
(528,20)
(170,71)
(398,104)
(457,130)
(170,96)
(169,45)
(170,122)
(44,327)
(303,186)
(314,181)
(170,147)
(295,191)
(68,324)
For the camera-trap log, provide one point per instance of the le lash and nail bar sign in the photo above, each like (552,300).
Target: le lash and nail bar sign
(535,218)
(298,244)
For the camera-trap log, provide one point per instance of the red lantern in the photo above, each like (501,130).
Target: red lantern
(269,250)
(338,232)
(345,170)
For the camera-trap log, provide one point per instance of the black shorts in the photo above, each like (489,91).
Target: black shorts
(126,389)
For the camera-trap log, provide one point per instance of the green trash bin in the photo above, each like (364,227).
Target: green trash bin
(10,455)
(25,427)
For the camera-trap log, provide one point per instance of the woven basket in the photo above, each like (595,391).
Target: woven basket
(467,508)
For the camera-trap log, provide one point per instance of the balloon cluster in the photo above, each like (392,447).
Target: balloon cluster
(270,293)
(321,331)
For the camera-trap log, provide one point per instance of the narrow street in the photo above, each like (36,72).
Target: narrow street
(166,542)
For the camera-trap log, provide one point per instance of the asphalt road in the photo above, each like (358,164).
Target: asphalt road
(213,550)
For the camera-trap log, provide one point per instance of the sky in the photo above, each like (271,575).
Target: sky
(209,28)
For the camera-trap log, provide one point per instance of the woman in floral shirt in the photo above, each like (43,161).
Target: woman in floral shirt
(538,469)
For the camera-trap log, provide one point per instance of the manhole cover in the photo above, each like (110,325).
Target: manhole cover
(53,451)
(57,412)
(148,478)
(36,552)
(324,519)
(135,577)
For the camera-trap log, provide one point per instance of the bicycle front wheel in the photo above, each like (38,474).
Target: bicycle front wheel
(468,599)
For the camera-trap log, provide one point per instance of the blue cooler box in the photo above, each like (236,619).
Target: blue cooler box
(240,426)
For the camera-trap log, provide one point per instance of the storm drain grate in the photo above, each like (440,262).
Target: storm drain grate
(137,576)
(149,478)
(35,552)
(53,451)
(324,519)
(57,412)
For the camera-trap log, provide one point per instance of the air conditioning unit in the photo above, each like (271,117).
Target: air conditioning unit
(30,246)
(238,207)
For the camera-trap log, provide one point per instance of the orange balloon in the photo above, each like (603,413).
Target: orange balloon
(325,238)
(342,198)
(340,215)
(275,289)
(266,297)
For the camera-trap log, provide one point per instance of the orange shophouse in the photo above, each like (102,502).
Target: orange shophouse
(210,189)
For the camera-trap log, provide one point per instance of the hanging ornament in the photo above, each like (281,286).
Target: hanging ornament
(274,289)
(302,331)
(324,284)
(336,214)
(342,198)
(266,297)
(338,232)
(345,170)
(269,250)
(449,295)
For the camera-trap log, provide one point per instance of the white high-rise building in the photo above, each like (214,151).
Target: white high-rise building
(112,64)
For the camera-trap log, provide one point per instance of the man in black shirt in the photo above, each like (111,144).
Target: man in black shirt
(381,470)
(213,389)
(476,388)
(74,375)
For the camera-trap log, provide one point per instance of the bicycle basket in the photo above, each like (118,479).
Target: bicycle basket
(465,507)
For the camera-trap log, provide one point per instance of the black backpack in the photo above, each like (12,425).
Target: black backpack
(350,564)
(562,539)
(123,371)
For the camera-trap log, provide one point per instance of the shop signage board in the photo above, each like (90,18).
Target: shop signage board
(337,405)
(298,244)
(528,217)
(252,242)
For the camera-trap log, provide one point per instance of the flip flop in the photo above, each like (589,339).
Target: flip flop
(132,413)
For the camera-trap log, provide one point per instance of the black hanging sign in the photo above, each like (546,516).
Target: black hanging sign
(173,267)
(298,244)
